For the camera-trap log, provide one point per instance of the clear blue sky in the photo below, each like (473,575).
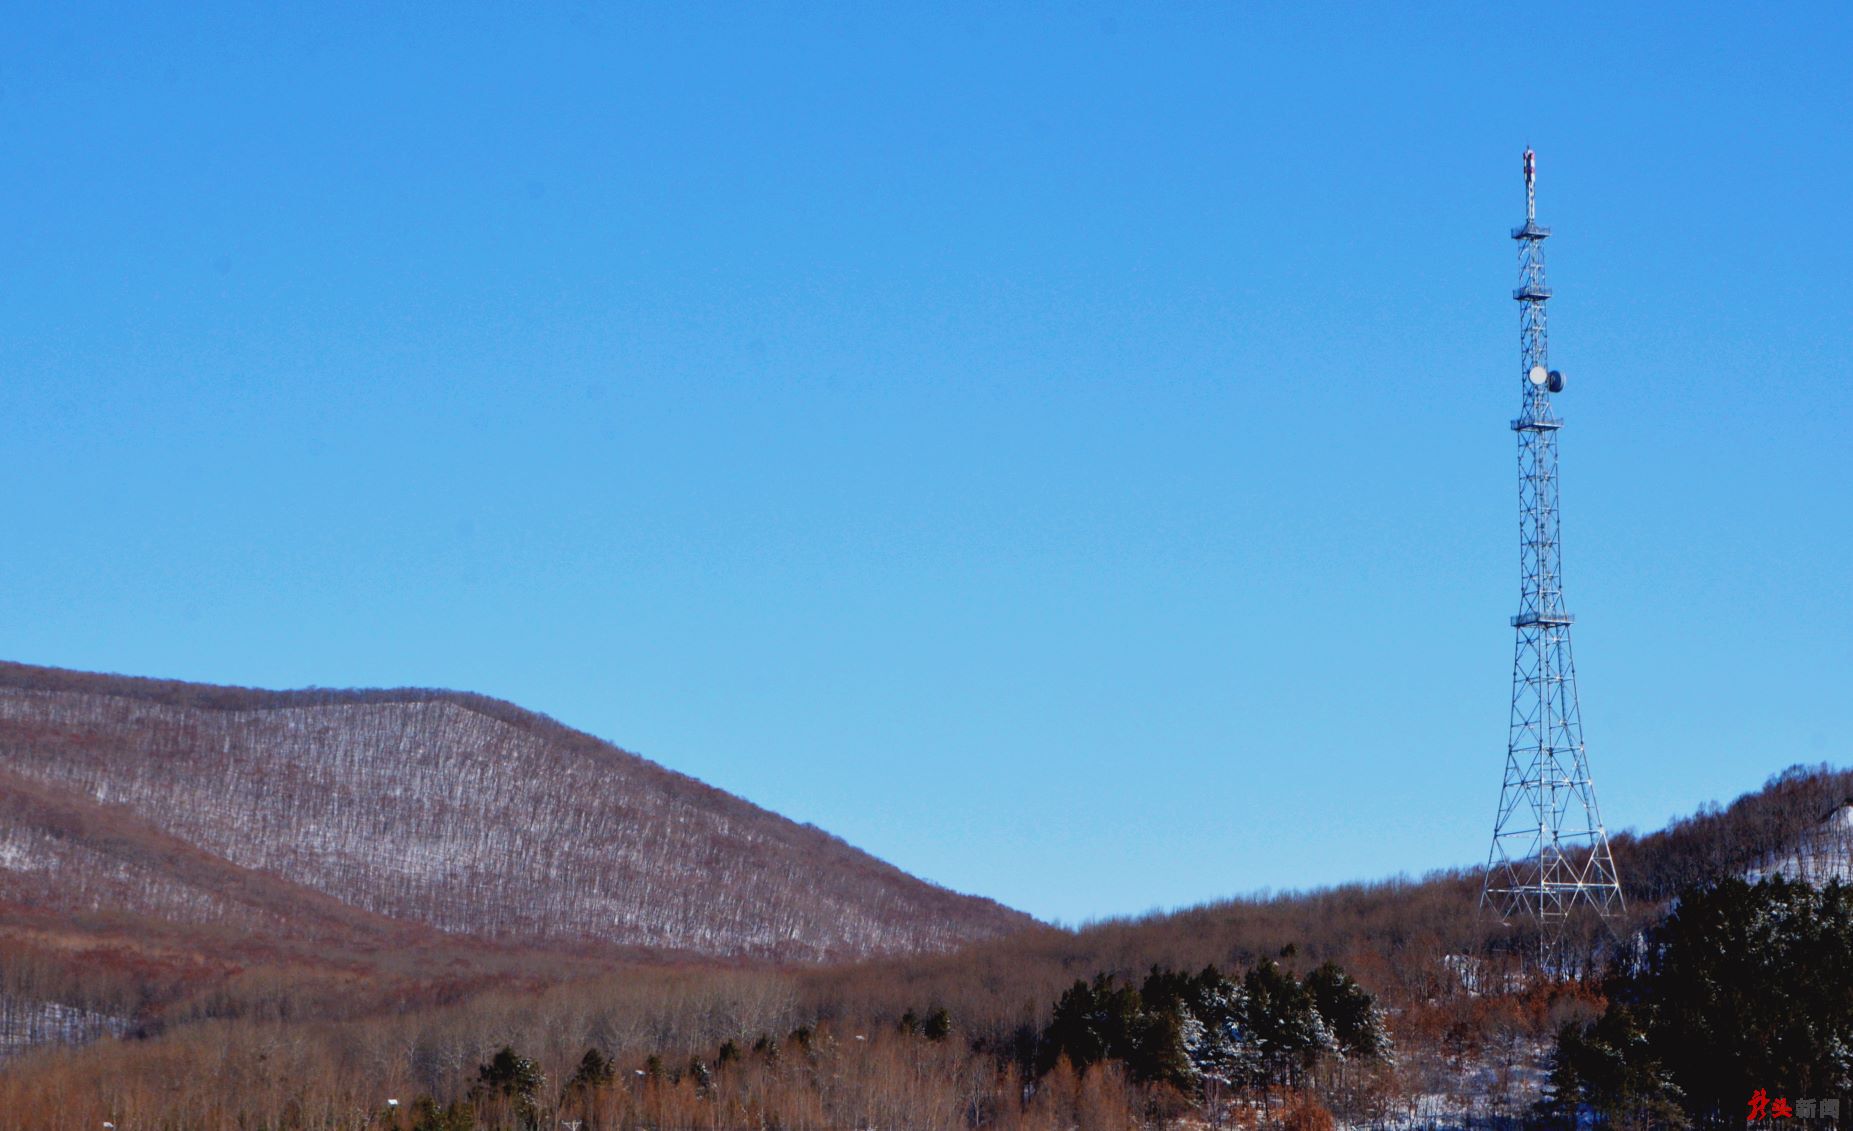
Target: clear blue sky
(1061,449)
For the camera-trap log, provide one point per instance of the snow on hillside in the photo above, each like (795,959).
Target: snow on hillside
(432,811)
(1824,854)
(24,1024)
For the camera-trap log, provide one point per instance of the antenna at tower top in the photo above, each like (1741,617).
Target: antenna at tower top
(1531,185)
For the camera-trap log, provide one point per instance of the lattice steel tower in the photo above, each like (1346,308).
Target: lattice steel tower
(1550,851)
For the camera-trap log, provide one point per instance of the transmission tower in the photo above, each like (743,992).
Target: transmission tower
(1550,851)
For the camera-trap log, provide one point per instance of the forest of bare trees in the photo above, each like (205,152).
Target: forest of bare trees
(449,811)
(205,923)
(1470,1023)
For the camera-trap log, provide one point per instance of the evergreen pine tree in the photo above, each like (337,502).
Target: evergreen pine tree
(1350,1014)
(594,1070)
(938,1025)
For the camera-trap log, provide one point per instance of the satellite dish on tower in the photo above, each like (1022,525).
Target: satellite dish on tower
(1556,380)
(1538,375)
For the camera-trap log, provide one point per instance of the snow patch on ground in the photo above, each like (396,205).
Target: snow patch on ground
(1825,854)
(25,1023)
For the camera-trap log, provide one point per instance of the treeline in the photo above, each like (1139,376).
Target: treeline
(1289,1034)
(1754,831)
(1177,1046)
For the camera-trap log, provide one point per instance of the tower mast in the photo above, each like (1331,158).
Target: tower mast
(1550,851)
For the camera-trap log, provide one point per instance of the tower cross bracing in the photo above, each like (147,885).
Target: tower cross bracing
(1550,851)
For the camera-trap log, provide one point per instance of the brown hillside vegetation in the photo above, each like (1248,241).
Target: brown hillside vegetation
(225,1023)
(377,819)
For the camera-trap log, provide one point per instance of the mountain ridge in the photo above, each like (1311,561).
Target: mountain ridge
(425,807)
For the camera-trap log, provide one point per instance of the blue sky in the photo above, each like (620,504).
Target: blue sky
(1061,449)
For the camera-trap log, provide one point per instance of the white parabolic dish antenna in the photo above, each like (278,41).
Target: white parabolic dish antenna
(1538,375)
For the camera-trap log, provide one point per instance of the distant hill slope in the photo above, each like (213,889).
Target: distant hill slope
(1423,945)
(362,812)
